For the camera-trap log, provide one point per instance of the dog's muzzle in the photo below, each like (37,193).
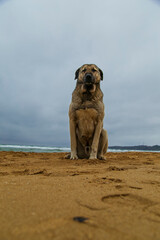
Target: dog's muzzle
(88,79)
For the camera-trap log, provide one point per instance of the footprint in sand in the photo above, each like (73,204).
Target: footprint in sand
(153,182)
(126,186)
(105,180)
(114,168)
(29,172)
(4,173)
(128,198)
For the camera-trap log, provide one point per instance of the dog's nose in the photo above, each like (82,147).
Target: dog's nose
(88,78)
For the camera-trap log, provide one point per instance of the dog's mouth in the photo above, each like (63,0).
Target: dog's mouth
(88,88)
(88,84)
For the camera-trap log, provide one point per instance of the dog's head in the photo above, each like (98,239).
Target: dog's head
(88,76)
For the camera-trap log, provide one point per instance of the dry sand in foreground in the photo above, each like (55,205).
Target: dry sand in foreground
(44,196)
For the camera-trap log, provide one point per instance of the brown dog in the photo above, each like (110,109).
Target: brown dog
(86,113)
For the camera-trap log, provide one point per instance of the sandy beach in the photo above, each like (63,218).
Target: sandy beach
(45,196)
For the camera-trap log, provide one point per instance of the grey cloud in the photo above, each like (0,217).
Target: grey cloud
(42,43)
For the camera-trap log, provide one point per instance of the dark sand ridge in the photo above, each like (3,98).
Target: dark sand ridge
(43,196)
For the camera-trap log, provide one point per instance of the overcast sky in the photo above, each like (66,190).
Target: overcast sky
(43,42)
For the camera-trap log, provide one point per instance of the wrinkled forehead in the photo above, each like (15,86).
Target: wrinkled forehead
(89,67)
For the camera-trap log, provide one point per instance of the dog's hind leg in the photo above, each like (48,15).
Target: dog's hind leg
(103,144)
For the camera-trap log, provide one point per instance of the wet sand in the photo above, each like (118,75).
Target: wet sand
(45,196)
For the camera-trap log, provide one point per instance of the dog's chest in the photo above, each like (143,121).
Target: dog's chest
(87,114)
(86,120)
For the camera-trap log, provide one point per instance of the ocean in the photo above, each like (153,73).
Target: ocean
(31,148)
(40,149)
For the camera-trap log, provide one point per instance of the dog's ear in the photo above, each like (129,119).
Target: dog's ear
(77,73)
(101,73)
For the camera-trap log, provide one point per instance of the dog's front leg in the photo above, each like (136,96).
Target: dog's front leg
(73,139)
(95,142)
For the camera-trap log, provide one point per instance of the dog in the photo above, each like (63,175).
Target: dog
(88,139)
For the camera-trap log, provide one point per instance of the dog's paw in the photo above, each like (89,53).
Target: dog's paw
(100,157)
(67,156)
(93,157)
(73,156)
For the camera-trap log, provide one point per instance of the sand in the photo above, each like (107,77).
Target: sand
(45,196)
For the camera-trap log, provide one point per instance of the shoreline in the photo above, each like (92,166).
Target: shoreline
(34,148)
(45,196)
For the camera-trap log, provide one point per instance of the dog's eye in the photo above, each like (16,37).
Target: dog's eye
(84,70)
(94,70)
